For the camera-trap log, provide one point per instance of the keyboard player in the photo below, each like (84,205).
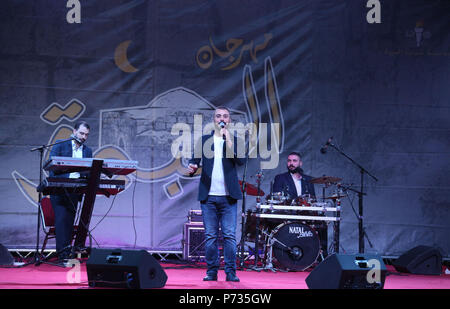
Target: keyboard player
(65,205)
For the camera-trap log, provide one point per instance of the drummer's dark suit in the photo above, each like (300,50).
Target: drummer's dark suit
(285,183)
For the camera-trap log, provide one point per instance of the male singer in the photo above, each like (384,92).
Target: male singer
(218,193)
(65,205)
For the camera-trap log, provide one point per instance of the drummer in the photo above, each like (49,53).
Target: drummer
(294,182)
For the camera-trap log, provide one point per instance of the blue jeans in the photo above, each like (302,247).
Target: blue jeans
(220,211)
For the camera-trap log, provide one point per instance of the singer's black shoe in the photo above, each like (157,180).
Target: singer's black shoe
(210,277)
(232,277)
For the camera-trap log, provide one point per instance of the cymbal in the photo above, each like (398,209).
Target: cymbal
(251,189)
(325,179)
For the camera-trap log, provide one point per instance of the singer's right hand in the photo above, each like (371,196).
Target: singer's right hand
(224,132)
(192,168)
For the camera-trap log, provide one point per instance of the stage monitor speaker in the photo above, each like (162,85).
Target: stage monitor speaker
(420,260)
(5,257)
(348,271)
(133,269)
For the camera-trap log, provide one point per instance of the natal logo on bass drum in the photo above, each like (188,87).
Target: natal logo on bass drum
(300,231)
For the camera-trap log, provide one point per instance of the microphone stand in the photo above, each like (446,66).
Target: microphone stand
(361,193)
(258,207)
(37,257)
(244,191)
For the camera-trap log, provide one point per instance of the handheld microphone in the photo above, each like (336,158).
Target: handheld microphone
(324,147)
(222,124)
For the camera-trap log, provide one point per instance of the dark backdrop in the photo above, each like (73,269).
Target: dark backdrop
(133,69)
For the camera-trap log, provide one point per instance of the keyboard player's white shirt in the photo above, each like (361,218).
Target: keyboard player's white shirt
(76,153)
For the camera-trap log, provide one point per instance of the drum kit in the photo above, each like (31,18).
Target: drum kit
(287,228)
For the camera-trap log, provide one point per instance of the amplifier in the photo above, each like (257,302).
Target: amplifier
(195,216)
(194,241)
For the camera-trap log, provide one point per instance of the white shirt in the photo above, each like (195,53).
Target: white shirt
(218,186)
(298,184)
(76,153)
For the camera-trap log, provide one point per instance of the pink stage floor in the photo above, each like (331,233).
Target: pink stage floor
(31,285)
(190,277)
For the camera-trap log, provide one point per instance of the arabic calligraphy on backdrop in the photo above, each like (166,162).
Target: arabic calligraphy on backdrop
(235,49)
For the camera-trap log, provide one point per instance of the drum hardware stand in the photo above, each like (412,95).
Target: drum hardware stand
(321,255)
(255,267)
(268,262)
(361,193)
(325,186)
(244,191)
(268,258)
(337,225)
(258,207)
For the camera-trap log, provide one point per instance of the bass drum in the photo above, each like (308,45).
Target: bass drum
(295,246)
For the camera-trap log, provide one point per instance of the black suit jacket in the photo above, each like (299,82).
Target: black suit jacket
(285,183)
(229,170)
(65,150)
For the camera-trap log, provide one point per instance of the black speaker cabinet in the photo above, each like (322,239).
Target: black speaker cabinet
(348,271)
(5,257)
(421,260)
(133,269)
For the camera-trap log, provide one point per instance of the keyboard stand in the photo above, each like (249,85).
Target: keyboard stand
(88,204)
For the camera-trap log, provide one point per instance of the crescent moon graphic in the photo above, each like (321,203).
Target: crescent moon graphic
(121,59)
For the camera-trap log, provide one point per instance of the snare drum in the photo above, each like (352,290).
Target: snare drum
(304,200)
(278,198)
